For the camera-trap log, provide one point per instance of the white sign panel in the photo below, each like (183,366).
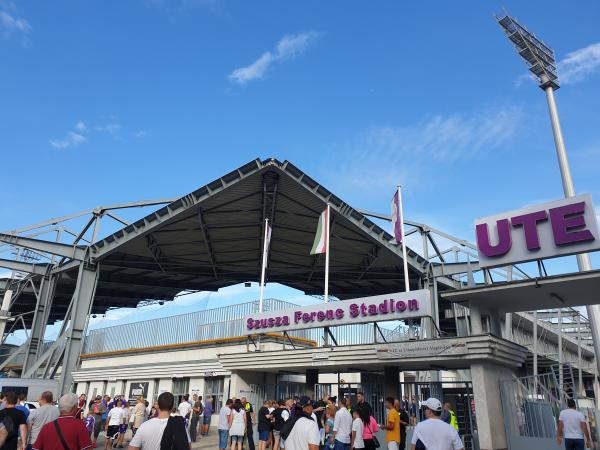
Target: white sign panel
(378,308)
(562,227)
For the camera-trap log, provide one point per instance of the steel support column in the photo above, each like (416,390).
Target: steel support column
(38,325)
(83,297)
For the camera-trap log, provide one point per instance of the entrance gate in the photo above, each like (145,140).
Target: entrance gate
(460,396)
(258,393)
(374,395)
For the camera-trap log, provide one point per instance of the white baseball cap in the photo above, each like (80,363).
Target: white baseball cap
(433,404)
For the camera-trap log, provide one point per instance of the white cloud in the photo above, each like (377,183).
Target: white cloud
(71,140)
(579,64)
(111,128)
(288,47)
(140,134)
(10,24)
(82,131)
(383,156)
(254,71)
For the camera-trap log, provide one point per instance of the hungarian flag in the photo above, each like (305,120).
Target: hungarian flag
(397,217)
(320,244)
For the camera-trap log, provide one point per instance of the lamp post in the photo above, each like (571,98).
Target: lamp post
(542,64)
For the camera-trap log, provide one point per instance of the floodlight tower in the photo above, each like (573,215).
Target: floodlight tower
(541,62)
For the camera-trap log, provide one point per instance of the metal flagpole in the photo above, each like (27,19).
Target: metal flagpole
(327,237)
(406,281)
(264,267)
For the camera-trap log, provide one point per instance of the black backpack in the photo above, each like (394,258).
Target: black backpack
(278,419)
(175,435)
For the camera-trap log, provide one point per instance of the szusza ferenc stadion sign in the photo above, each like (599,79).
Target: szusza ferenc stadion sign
(558,228)
(378,308)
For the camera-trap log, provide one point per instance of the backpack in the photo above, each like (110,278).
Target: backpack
(9,424)
(175,435)
(278,419)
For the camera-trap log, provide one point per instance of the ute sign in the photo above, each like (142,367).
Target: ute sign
(562,227)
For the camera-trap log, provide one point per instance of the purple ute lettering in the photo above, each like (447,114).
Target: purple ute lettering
(504,241)
(529,223)
(568,224)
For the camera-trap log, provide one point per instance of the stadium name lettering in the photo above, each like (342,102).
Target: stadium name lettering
(349,311)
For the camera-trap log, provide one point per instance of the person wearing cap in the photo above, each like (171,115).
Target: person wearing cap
(433,433)
(98,408)
(305,433)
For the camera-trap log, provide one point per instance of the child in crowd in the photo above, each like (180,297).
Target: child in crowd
(89,422)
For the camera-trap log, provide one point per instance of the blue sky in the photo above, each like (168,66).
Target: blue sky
(107,102)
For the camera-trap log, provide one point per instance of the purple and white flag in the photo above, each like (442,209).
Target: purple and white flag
(397,218)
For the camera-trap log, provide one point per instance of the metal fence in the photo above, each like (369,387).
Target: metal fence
(530,407)
(196,326)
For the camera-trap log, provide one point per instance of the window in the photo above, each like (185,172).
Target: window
(213,390)
(181,386)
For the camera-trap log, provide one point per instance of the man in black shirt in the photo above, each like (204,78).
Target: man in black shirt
(264,425)
(362,405)
(319,410)
(250,421)
(15,423)
(404,422)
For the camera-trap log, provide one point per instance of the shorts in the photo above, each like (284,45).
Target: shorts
(276,433)
(223,438)
(206,420)
(392,445)
(263,435)
(123,428)
(236,438)
(113,431)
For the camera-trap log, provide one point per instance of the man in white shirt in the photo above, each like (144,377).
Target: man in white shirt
(185,408)
(434,433)
(224,424)
(305,433)
(573,427)
(342,426)
(149,434)
(115,418)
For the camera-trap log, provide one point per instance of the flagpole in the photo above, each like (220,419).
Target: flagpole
(327,237)
(264,267)
(406,280)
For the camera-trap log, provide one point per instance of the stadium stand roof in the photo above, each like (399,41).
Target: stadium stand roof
(212,238)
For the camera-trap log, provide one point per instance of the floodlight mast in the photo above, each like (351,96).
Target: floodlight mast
(541,62)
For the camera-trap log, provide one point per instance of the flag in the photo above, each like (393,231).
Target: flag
(267,241)
(320,244)
(397,218)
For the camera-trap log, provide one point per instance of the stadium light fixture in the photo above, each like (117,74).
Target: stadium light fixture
(538,56)
(542,63)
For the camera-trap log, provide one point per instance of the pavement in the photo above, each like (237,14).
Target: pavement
(211,441)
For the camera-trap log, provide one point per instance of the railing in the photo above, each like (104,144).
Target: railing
(192,327)
(531,406)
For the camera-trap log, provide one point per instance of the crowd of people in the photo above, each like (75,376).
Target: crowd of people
(298,423)
(333,424)
(74,424)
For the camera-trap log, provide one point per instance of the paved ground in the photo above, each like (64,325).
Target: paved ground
(203,442)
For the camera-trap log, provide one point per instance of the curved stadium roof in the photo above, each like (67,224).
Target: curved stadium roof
(211,238)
